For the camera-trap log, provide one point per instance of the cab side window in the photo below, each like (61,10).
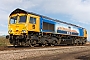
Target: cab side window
(32,20)
(86,32)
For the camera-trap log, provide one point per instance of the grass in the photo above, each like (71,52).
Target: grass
(4,41)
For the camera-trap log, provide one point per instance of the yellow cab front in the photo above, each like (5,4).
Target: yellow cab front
(17,24)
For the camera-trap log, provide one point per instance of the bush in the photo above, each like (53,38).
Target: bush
(4,41)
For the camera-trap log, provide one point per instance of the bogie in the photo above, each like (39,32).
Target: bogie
(35,39)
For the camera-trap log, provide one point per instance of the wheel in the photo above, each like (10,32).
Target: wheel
(14,43)
(53,43)
(43,45)
(34,43)
(46,43)
(31,45)
(77,43)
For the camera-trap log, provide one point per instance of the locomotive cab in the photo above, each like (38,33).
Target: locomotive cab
(20,25)
(21,22)
(17,24)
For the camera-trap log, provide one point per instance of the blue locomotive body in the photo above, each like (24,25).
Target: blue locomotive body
(58,27)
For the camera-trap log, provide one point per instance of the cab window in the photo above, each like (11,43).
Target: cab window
(22,19)
(32,20)
(13,20)
(86,32)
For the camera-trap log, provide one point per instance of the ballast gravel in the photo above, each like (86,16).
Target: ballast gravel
(31,53)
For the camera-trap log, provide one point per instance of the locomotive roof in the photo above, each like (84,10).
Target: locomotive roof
(26,12)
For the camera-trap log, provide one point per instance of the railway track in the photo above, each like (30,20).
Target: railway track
(15,53)
(2,48)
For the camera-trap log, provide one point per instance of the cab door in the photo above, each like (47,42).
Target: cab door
(85,33)
(34,23)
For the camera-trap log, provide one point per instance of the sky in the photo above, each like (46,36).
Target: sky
(72,11)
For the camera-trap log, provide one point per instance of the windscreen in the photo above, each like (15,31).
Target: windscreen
(13,20)
(22,19)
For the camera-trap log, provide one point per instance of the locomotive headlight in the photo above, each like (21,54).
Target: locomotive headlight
(23,31)
(10,31)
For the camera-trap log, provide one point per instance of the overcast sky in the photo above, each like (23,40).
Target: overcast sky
(72,11)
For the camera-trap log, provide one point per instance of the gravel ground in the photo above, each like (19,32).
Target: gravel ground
(83,55)
(54,53)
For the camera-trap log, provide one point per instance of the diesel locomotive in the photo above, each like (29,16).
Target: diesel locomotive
(30,29)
